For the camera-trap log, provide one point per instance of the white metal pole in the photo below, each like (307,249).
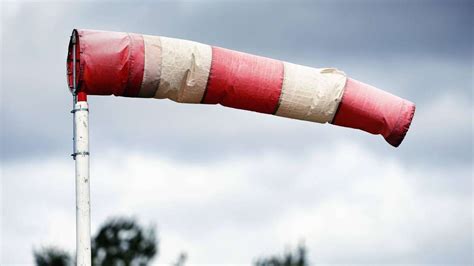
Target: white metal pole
(81,157)
(81,154)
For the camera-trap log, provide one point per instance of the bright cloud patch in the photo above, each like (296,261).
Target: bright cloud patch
(346,204)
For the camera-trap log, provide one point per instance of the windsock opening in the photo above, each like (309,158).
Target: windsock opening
(135,65)
(107,63)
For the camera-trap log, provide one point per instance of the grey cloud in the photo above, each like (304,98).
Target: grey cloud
(255,203)
(421,58)
(421,51)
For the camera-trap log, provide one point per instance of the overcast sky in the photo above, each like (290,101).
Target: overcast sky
(228,186)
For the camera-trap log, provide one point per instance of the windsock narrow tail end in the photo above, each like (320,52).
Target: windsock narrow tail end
(404,121)
(375,111)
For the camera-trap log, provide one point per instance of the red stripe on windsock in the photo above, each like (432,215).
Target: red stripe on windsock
(110,63)
(375,111)
(244,81)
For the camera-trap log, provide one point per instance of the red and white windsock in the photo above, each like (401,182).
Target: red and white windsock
(135,65)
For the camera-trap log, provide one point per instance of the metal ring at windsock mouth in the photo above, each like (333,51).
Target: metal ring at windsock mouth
(73,70)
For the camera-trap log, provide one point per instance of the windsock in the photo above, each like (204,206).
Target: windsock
(136,65)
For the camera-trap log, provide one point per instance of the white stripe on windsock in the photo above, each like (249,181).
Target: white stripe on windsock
(185,69)
(152,66)
(311,94)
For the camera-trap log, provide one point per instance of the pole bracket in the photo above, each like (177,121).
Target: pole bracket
(79,109)
(83,153)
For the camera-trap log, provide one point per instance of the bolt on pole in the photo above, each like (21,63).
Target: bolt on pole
(81,156)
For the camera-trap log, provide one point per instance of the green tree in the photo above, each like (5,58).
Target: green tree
(51,256)
(121,241)
(288,259)
(181,261)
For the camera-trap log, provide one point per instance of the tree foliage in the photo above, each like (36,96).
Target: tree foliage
(288,259)
(51,256)
(181,261)
(121,241)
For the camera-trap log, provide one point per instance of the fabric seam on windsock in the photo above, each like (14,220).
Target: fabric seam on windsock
(152,66)
(130,65)
(135,65)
